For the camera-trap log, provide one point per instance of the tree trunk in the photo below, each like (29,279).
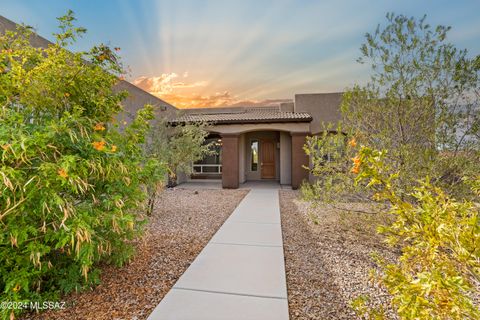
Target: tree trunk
(152,195)
(172,181)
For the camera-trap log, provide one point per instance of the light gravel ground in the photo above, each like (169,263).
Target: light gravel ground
(328,262)
(182,224)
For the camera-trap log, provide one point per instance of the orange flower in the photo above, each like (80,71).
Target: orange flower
(356,160)
(62,173)
(114,148)
(66,94)
(355,169)
(352,143)
(356,165)
(99,127)
(98,145)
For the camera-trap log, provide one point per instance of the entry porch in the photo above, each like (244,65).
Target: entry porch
(263,155)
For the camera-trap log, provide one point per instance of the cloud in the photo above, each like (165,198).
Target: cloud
(219,99)
(165,83)
(195,100)
(184,94)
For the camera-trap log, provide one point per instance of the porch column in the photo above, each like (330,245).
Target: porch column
(230,161)
(299,159)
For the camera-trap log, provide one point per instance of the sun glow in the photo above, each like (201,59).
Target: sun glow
(182,93)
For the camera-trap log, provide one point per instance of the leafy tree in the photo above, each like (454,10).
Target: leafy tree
(421,103)
(177,148)
(71,182)
(421,106)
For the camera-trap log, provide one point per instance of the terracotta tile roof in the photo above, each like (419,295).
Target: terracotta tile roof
(247,116)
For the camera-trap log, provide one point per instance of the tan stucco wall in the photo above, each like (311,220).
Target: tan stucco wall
(137,99)
(287,107)
(323,107)
(181,177)
(285,158)
(299,159)
(230,161)
(241,158)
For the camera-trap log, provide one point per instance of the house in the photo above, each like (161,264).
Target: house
(253,143)
(262,143)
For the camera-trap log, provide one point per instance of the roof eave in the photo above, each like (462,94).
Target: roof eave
(252,121)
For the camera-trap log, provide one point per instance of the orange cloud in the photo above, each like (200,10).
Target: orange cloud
(165,83)
(168,89)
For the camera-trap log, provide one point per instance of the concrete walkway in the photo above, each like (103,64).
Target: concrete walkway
(240,274)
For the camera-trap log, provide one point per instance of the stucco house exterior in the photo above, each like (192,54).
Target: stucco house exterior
(253,143)
(262,143)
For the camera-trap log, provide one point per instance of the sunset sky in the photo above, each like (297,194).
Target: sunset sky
(249,52)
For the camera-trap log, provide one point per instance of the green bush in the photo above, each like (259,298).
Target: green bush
(71,182)
(330,157)
(439,239)
(422,106)
(422,103)
(176,148)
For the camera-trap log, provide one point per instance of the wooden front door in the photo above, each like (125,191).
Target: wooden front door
(267,163)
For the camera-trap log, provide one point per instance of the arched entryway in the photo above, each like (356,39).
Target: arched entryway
(256,152)
(264,155)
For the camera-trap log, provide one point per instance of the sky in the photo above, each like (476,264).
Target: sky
(202,53)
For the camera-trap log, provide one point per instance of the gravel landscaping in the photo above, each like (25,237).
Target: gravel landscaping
(328,257)
(182,224)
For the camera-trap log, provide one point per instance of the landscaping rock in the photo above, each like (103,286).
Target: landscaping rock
(327,253)
(181,225)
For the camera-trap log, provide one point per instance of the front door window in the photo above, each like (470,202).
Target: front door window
(254,155)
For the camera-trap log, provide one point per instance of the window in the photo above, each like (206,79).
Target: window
(212,163)
(254,157)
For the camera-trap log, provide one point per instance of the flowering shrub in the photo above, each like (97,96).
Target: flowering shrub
(176,148)
(437,273)
(331,155)
(421,104)
(70,182)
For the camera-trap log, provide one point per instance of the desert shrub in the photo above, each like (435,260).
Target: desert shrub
(176,148)
(422,106)
(421,103)
(71,182)
(330,154)
(437,275)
